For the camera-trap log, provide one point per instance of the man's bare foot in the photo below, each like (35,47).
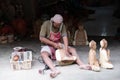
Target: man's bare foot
(86,67)
(54,74)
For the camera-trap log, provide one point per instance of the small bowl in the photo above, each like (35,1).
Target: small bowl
(17,48)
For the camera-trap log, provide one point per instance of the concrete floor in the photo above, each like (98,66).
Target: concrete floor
(70,72)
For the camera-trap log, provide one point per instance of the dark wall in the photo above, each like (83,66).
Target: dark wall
(100,23)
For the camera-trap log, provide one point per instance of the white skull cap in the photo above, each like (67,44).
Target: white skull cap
(57,18)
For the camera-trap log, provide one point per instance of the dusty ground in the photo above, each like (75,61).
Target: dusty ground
(70,72)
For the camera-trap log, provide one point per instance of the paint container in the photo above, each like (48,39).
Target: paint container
(10,38)
(3,39)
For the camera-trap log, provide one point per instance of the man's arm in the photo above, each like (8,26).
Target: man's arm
(43,34)
(47,41)
(65,40)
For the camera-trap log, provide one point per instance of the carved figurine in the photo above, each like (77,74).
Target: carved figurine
(105,55)
(80,37)
(92,56)
(62,58)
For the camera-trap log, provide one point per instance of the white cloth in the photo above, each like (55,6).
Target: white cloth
(47,49)
(57,18)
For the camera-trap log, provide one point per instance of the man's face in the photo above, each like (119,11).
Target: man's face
(56,25)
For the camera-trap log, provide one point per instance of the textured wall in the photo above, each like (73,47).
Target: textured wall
(104,24)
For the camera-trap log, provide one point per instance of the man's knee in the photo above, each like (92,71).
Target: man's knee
(72,49)
(44,54)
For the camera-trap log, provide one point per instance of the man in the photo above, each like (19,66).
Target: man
(52,31)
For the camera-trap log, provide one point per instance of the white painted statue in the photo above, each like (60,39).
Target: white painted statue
(105,55)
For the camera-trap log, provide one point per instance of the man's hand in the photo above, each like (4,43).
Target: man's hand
(57,45)
(67,53)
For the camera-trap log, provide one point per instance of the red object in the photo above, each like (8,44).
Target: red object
(16,58)
(20,26)
(7,30)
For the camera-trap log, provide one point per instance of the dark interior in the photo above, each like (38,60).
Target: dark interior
(102,16)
